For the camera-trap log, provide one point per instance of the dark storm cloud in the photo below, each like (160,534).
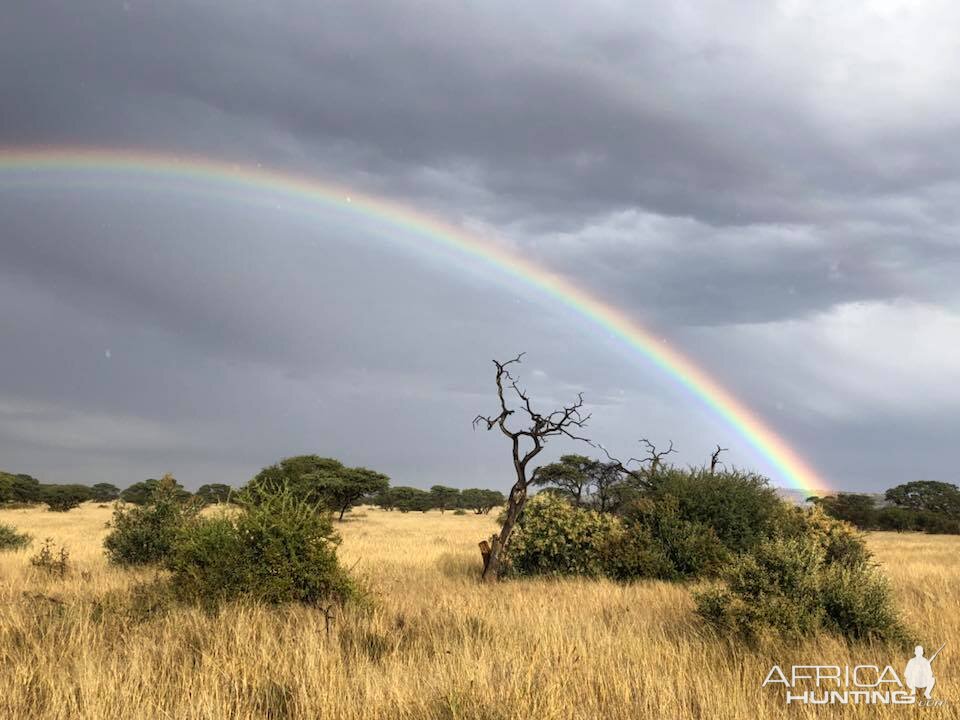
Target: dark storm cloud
(552,128)
(732,176)
(554,122)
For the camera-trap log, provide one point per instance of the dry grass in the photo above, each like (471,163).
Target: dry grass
(434,643)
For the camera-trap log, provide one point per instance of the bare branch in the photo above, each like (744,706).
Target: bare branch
(715,458)
(643,473)
(655,457)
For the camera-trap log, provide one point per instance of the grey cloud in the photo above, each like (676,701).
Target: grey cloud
(722,175)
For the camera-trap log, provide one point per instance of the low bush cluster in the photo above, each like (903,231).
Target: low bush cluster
(275,548)
(816,576)
(659,541)
(278,550)
(144,534)
(778,568)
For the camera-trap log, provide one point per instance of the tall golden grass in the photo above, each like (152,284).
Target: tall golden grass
(432,643)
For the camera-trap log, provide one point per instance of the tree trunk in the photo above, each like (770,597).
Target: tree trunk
(518,497)
(342,511)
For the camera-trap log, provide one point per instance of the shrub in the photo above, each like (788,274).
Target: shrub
(459,511)
(280,549)
(144,534)
(857,603)
(553,537)
(774,588)
(664,544)
(817,576)
(741,507)
(10,539)
(633,553)
(51,560)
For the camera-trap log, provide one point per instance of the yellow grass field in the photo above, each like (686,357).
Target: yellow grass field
(433,644)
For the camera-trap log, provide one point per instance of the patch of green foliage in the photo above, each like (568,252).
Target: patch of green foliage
(141,493)
(279,549)
(657,541)
(555,537)
(144,534)
(62,498)
(319,480)
(214,493)
(10,539)
(815,575)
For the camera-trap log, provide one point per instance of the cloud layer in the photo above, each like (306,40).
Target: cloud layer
(771,186)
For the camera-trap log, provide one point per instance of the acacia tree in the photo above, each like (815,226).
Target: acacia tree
(481,501)
(526,443)
(341,489)
(105,492)
(571,474)
(929,495)
(583,480)
(444,497)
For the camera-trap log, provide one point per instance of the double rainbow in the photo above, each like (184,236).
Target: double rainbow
(790,466)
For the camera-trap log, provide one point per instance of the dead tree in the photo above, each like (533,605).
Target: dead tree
(715,458)
(647,467)
(654,457)
(527,442)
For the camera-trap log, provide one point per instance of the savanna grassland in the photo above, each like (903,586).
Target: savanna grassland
(431,642)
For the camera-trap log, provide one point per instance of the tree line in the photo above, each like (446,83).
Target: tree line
(316,480)
(922,505)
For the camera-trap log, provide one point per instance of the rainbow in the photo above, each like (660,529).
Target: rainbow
(787,463)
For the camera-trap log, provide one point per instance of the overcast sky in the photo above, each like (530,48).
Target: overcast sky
(771,187)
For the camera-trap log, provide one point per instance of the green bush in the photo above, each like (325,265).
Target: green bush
(858,604)
(631,554)
(10,539)
(741,508)
(553,537)
(280,549)
(666,545)
(818,575)
(774,588)
(144,534)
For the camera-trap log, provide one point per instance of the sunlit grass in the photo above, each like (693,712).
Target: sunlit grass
(433,643)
